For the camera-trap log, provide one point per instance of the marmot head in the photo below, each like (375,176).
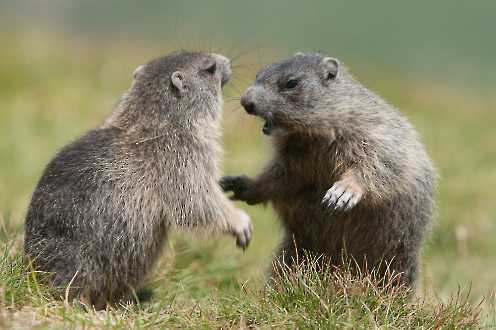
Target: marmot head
(180,86)
(294,95)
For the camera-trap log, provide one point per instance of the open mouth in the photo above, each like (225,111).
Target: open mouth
(268,127)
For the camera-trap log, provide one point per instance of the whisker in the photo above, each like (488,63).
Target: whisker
(243,53)
(235,89)
(243,80)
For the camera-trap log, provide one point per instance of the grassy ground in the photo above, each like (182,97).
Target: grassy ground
(53,89)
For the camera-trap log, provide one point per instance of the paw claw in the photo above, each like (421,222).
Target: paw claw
(335,195)
(341,197)
(351,203)
(243,231)
(342,202)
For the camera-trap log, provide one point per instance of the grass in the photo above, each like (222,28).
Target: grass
(302,298)
(53,89)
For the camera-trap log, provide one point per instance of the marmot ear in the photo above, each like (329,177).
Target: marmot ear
(139,70)
(331,67)
(177,78)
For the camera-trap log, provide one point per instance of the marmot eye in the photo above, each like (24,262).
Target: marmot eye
(331,76)
(211,69)
(292,83)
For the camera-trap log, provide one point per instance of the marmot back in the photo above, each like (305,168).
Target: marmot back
(104,205)
(350,175)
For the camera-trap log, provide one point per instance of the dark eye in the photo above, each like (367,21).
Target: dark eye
(292,83)
(212,68)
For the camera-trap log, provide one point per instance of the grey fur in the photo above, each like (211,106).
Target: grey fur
(350,174)
(104,205)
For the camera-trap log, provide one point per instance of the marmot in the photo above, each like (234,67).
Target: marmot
(104,205)
(350,174)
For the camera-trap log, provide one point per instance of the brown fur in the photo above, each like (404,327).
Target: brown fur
(105,204)
(350,177)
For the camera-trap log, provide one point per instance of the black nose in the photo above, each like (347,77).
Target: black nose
(248,105)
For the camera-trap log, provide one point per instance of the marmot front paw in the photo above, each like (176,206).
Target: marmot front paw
(243,230)
(237,184)
(342,196)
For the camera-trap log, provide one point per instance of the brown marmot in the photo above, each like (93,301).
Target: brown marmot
(104,205)
(350,174)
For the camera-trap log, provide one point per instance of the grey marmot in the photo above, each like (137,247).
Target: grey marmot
(104,205)
(350,174)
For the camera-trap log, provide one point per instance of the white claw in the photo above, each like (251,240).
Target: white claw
(341,198)
(243,230)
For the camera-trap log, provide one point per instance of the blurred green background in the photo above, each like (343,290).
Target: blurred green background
(446,39)
(64,64)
